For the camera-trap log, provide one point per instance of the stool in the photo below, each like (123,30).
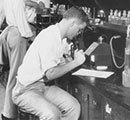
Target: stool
(26,116)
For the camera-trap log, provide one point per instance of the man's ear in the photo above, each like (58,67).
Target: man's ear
(72,22)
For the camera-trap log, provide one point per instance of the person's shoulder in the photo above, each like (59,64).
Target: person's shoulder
(46,34)
(48,31)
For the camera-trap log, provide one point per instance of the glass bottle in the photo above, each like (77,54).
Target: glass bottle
(126,72)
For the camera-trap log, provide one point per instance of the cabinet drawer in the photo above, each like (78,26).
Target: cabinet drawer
(113,111)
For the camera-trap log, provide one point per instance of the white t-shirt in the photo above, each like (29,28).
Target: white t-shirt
(45,52)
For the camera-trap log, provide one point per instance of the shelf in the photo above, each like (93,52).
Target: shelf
(113,27)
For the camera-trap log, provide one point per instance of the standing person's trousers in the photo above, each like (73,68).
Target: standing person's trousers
(16,47)
(46,102)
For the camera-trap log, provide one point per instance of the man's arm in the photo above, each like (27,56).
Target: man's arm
(31,3)
(22,23)
(61,70)
(35,5)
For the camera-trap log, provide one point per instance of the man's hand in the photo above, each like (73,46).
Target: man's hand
(79,57)
(40,7)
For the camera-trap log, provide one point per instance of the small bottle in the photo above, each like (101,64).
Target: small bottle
(119,18)
(85,9)
(89,12)
(128,18)
(110,17)
(92,62)
(115,17)
(124,18)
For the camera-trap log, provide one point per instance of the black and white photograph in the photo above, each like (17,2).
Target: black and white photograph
(64,59)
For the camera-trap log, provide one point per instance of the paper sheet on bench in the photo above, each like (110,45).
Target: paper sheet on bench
(94,73)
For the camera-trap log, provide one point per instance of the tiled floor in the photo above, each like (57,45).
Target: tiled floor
(2,94)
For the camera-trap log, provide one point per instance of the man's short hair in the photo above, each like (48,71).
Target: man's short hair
(76,12)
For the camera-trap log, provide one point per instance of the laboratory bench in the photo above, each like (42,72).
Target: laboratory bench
(100,99)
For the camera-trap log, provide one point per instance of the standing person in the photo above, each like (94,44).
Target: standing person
(15,39)
(42,63)
(2,15)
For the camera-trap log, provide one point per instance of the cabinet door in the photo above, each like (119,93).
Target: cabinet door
(78,91)
(91,108)
(95,106)
(113,111)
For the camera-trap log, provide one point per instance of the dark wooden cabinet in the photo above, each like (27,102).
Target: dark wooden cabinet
(99,99)
(90,100)
(113,111)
